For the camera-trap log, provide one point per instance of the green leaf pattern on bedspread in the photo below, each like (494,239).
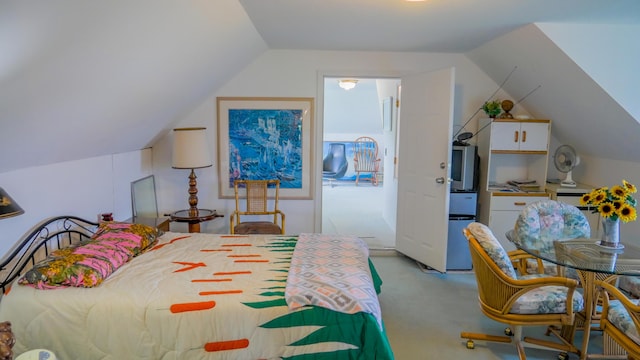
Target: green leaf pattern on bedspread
(362,338)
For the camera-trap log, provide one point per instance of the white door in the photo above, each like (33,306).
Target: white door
(425,131)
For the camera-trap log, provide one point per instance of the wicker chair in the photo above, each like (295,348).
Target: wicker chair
(620,322)
(256,205)
(534,301)
(365,158)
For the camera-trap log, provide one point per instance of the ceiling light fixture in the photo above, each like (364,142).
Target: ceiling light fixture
(347,84)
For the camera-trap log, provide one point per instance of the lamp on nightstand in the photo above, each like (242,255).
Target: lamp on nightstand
(191,151)
(8,207)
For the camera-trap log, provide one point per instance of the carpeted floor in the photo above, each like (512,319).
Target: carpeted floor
(424,313)
(356,210)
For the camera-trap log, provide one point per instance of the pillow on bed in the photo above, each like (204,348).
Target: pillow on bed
(145,236)
(88,264)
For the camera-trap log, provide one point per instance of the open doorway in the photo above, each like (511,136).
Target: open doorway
(365,210)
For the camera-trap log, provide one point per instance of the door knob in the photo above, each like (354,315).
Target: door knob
(440,180)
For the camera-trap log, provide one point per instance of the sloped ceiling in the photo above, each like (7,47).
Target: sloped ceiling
(121,73)
(117,73)
(582,113)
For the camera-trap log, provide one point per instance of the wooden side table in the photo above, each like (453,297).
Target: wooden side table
(194,220)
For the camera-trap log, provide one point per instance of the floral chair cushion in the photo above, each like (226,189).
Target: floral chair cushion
(620,318)
(630,284)
(546,299)
(542,222)
(492,246)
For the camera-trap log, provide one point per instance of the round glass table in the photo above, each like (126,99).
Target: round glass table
(592,262)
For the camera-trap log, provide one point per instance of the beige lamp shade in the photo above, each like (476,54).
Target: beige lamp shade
(190,148)
(8,207)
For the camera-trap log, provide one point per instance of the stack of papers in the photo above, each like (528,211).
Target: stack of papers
(525,185)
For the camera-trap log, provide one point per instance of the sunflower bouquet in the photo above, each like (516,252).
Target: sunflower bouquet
(613,203)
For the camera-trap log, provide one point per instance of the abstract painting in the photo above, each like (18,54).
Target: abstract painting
(266,138)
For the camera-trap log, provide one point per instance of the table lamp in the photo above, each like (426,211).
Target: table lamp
(8,207)
(191,151)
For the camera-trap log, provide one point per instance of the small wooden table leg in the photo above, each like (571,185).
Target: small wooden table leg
(194,227)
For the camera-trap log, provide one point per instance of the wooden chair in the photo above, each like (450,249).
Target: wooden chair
(619,322)
(256,206)
(540,300)
(365,158)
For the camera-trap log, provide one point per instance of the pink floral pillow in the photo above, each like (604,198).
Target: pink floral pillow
(143,235)
(88,264)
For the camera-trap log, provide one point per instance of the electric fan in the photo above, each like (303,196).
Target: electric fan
(565,159)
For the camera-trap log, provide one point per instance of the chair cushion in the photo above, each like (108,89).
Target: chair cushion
(546,300)
(257,227)
(492,247)
(544,221)
(630,284)
(620,318)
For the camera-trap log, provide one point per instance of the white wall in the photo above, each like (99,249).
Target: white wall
(388,88)
(600,172)
(286,73)
(85,188)
(599,49)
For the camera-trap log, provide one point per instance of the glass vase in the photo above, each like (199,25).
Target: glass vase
(610,233)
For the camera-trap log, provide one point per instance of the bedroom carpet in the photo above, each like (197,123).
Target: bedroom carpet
(424,313)
(356,210)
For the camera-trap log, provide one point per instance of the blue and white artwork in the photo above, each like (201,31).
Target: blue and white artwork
(266,144)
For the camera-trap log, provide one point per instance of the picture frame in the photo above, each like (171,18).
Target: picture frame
(266,138)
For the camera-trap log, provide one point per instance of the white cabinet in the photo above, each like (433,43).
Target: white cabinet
(510,149)
(504,211)
(520,135)
(514,150)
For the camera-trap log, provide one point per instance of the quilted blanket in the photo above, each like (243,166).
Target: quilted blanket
(192,296)
(331,271)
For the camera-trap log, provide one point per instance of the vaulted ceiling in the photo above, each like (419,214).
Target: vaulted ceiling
(121,73)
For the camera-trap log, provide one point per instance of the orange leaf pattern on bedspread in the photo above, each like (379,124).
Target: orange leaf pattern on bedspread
(230,252)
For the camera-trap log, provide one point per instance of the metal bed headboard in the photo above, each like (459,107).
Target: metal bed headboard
(49,235)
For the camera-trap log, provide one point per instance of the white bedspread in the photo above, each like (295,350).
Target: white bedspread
(195,296)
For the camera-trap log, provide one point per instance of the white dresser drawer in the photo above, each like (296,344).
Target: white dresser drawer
(502,202)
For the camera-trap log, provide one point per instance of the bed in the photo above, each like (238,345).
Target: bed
(191,296)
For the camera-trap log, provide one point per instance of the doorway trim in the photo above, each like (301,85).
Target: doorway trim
(319,125)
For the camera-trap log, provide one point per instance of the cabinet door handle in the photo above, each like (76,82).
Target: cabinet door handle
(524,136)
(515,136)
(519,203)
